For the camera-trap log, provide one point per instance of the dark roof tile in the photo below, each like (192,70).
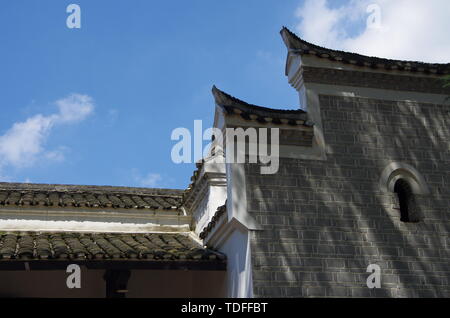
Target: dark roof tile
(232,105)
(293,42)
(16,194)
(221,210)
(68,245)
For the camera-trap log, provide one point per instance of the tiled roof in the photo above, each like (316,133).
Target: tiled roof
(220,211)
(293,42)
(101,246)
(28,195)
(232,105)
(198,167)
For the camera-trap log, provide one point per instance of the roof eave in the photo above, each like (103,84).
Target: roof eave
(299,46)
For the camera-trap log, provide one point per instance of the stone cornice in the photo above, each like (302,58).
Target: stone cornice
(372,80)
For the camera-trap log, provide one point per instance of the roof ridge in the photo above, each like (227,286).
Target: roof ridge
(294,42)
(4,186)
(225,99)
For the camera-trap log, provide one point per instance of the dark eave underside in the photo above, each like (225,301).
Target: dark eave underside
(293,42)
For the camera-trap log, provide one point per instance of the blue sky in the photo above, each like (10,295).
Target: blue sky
(138,69)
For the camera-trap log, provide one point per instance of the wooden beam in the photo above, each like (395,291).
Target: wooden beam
(116,283)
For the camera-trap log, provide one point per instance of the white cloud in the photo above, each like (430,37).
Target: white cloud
(409,29)
(74,108)
(318,22)
(24,142)
(56,155)
(150,180)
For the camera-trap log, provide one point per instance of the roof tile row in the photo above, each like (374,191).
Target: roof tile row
(87,199)
(98,246)
(293,42)
(263,115)
(219,212)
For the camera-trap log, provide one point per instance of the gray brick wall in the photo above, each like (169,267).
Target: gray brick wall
(326,221)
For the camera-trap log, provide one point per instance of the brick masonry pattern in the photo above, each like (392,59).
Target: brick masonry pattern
(326,221)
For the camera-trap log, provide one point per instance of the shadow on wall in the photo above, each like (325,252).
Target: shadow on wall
(326,221)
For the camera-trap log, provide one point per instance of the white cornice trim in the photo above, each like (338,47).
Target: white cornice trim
(212,173)
(88,226)
(167,218)
(237,197)
(222,231)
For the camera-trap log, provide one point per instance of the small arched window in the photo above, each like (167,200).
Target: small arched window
(406,200)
